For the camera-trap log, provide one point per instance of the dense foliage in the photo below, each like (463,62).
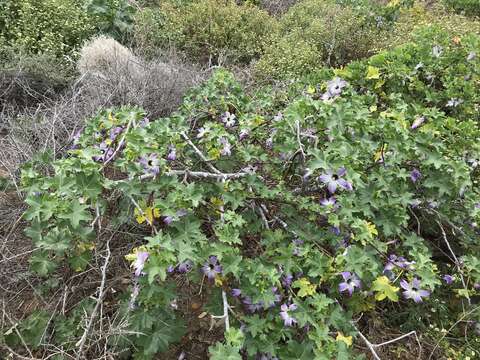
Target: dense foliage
(353,192)
(51,26)
(317,33)
(467,7)
(206,30)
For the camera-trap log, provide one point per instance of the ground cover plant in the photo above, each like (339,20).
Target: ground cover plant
(297,203)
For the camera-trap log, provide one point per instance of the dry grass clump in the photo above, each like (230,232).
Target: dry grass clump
(105,54)
(111,75)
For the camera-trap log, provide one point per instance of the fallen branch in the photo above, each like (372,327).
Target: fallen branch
(457,263)
(199,174)
(372,347)
(226,307)
(81,343)
(199,153)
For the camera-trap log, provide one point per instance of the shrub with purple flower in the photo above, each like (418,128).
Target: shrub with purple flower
(413,291)
(334,88)
(333,180)
(349,283)
(150,163)
(285,314)
(212,268)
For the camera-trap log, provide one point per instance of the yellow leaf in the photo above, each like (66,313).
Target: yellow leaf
(148,213)
(373,73)
(306,288)
(384,289)
(310,89)
(218,281)
(346,339)
(380,153)
(139,216)
(133,255)
(217,202)
(372,230)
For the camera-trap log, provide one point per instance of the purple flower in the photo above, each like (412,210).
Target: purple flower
(278,117)
(334,88)
(397,261)
(350,282)
(185,267)
(236,292)
(167,220)
(212,268)
(448,279)
(297,243)
(251,306)
(331,201)
(437,51)
(477,206)
(181,212)
(201,132)
(227,148)
(150,163)
(454,102)
(335,230)
(243,134)
(105,152)
(415,175)
(114,132)
(413,291)
(287,280)
(170,269)
(333,180)
(144,122)
(228,119)
(476,286)
(288,320)
(417,122)
(269,143)
(139,262)
(471,56)
(277,296)
(172,154)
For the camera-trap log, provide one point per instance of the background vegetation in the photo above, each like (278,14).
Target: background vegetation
(239,179)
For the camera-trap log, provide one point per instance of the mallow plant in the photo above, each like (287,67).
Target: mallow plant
(306,212)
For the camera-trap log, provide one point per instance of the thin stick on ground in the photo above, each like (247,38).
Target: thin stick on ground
(81,343)
(457,263)
(225,316)
(372,347)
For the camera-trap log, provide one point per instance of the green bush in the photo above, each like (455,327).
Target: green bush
(112,17)
(206,30)
(307,215)
(466,7)
(314,33)
(420,15)
(56,27)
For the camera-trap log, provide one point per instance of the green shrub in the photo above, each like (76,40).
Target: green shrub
(466,7)
(327,33)
(112,17)
(307,216)
(56,27)
(206,30)
(420,15)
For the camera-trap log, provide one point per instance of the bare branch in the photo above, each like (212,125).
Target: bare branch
(101,292)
